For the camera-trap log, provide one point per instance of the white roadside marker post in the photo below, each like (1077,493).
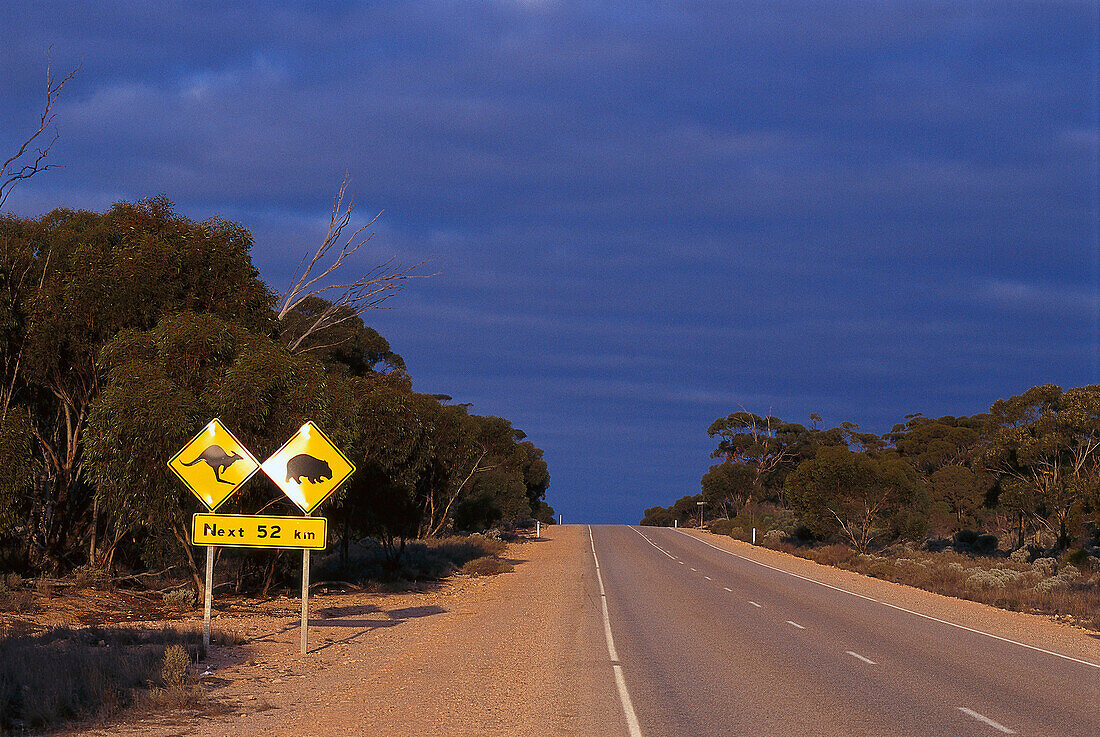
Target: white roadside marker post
(754,536)
(559,519)
(538,529)
(209,599)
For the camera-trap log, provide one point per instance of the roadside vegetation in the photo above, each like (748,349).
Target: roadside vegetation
(122,333)
(65,675)
(1001,507)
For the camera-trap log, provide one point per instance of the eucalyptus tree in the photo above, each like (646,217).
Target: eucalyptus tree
(99,274)
(162,385)
(1045,444)
(858,496)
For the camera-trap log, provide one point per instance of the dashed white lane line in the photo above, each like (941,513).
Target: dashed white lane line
(708,578)
(758,606)
(620,682)
(895,606)
(727,588)
(857,656)
(646,538)
(795,624)
(680,562)
(986,720)
(695,569)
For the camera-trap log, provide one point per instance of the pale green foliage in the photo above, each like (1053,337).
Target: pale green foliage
(17,467)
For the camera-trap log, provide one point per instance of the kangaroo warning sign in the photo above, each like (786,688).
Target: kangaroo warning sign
(308,468)
(259,531)
(213,465)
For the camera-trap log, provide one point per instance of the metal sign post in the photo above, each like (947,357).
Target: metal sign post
(308,469)
(305,600)
(209,597)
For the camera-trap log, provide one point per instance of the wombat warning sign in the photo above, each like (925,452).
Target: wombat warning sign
(308,468)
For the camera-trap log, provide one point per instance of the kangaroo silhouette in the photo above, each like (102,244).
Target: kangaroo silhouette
(306,466)
(218,460)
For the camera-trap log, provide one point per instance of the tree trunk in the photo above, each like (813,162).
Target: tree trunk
(185,543)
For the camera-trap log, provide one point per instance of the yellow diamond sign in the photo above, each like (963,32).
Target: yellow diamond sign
(308,468)
(213,465)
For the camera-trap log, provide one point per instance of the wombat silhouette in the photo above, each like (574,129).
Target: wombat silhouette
(306,466)
(218,460)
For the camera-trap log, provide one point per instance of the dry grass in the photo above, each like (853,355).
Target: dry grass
(64,675)
(1045,586)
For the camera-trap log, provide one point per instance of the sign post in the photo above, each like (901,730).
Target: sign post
(308,468)
(305,601)
(213,465)
(209,597)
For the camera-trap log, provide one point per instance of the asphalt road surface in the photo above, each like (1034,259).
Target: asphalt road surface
(705,641)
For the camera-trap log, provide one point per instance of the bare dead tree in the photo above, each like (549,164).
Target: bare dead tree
(344,300)
(12,172)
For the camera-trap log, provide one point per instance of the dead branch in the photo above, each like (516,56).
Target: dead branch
(11,171)
(344,300)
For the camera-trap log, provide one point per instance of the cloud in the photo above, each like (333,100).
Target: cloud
(640,220)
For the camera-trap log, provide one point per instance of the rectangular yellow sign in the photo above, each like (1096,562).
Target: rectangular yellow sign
(259,531)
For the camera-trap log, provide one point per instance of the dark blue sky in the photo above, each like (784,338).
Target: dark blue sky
(643,218)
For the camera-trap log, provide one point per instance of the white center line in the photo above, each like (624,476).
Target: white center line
(620,682)
(857,656)
(695,569)
(727,588)
(985,720)
(708,578)
(795,624)
(894,606)
(646,538)
(755,604)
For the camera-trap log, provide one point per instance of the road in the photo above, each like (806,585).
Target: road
(705,641)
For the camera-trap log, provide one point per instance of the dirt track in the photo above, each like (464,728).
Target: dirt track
(515,654)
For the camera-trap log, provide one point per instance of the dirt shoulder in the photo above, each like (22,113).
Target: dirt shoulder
(513,654)
(1031,629)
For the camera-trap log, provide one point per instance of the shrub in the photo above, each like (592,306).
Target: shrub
(175,665)
(486,566)
(422,560)
(725,527)
(16,601)
(179,597)
(64,674)
(803,534)
(1045,566)
(1020,555)
(993,578)
(985,544)
(966,537)
(1080,558)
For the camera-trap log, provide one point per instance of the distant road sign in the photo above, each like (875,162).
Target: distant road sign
(259,531)
(308,468)
(213,464)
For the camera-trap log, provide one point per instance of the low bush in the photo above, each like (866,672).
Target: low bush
(486,566)
(726,527)
(1010,583)
(422,560)
(16,601)
(62,675)
(179,597)
(173,672)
